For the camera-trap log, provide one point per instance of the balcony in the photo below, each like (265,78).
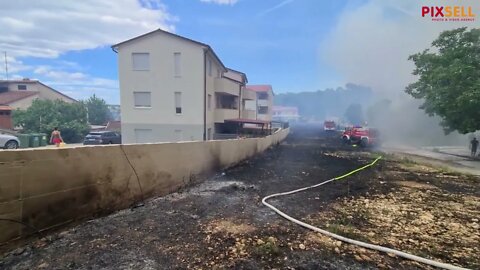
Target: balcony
(249,94)
(263,102)
(221,114)
(226,86)
(248,114)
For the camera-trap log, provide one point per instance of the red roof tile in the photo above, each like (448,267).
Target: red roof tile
(11,96)
(260,88)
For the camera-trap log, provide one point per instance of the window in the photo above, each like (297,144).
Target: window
(209,62)
(262,96)
(224,101)
(177,60)
(141,61)
(142,99)
(262,109)
(209,102)
(22,87)
(178,102)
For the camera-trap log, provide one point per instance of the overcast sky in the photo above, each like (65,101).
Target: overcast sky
(295,45)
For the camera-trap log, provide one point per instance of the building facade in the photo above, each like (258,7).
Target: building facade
(264,101)
(175,89)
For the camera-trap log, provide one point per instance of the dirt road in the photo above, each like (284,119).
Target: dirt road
(221,222)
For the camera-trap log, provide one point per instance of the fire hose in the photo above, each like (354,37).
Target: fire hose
(349,240)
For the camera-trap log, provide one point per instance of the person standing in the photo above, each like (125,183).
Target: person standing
(473,146)
(56,137)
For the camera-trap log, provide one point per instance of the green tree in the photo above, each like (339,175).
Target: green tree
(44,115)
(449,80)
(354,114)
(98,113)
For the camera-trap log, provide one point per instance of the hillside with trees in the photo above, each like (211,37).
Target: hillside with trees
(323,104)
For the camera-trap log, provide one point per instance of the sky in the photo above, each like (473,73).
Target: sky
(294,45)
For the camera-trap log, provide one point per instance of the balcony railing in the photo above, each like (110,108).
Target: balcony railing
(262,102)
(226,86)
(249,94)
(248,114)
(222,114)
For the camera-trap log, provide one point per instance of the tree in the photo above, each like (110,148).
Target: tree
(98,113)
(449,80)
(326,103)
(44,115)
(354,114)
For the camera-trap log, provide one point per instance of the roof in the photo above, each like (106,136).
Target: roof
(19,81)
(9,97)
(260,88)
(39,82)
(114,125)
(206,46)
(243,75)
(248,121)
(58,92)
(5,108)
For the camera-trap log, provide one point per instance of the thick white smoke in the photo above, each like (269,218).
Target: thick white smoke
(370,45)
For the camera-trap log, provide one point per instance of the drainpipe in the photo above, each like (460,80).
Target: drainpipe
(239,101)
(256,106)
(204,94)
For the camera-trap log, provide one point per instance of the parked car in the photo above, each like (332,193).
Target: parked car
(102,137)
(9,141)
(361,135)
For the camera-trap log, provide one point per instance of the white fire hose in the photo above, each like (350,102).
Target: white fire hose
(348,240)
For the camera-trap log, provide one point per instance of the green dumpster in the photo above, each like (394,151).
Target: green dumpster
(24,140)
(35,140)
(43,139)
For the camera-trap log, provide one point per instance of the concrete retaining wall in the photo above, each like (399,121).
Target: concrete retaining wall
(49,187)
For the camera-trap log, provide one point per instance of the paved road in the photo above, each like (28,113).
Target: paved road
(454,157)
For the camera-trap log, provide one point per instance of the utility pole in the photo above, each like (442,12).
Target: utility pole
(6,65)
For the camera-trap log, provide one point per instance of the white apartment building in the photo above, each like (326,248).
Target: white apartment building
(176,89)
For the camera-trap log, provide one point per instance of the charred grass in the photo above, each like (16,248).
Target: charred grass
(221,222)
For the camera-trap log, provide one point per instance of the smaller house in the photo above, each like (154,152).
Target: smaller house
(19,94)
(264,102)
(285,114)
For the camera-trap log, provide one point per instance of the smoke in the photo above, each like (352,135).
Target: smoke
(370,45)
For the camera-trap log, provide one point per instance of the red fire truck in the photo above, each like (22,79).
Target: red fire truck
(362,136)
(329,126)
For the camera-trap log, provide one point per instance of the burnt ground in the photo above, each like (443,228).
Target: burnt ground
(221,223)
